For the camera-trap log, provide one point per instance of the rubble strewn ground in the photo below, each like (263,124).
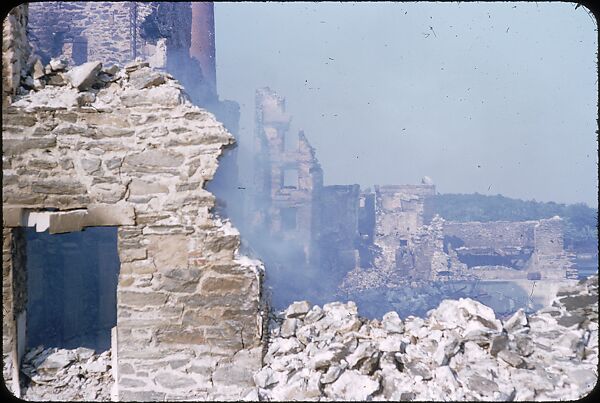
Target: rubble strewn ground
(460,351)
(67,375)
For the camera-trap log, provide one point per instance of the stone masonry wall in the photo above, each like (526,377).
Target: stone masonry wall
(338,229)
(549,257)
(159,32)
(498,234)
(15,52)
(545,237)
(82,31)
(14,300)
(398,216)
(127,148)
(271,164)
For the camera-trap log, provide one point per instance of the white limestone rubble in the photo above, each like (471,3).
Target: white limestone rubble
(67,375)
(460,351)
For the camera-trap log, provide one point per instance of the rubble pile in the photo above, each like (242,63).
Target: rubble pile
(460,351)
(418,297)
(61,374)
(92,85)
(413,298)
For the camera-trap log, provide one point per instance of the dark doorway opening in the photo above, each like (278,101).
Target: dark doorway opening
(71,287)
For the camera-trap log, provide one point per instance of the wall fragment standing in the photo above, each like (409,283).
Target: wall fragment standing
(132,151)
(15,52)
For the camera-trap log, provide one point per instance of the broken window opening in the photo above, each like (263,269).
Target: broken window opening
(71,286)
(290,141)
(290,178)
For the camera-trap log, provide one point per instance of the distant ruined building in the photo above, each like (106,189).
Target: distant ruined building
(123,147)
(368,239)
(333,229)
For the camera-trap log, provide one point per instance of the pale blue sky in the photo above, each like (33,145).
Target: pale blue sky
(482,97)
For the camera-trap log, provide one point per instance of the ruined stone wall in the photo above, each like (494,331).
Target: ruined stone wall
(128,149)
(159,32)
(338,229)
(290,207)
(15,52)
(82,31)
(430,260)
(496,234)
(548,236)
(549,257)
(398,216)
(14,301)
(543,239)
(119,32)
(366,227)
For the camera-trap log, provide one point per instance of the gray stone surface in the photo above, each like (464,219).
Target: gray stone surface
(459,352)
(82,77)
(146,78)
(102,152)
(67,375)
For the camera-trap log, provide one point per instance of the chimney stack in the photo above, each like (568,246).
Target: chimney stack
(203,40)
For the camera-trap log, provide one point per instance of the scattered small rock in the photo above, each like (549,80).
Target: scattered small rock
(67,375)
(58,64)
(460,351)
(83,76)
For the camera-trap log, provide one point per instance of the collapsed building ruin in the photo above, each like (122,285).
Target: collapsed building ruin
(96,146)
(175,37)
(100,146)
(381,238)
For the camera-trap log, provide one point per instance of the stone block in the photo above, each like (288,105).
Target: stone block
(131,383)
(179,280)
(90,165)
(67,222)
(109,215)
(70,128)
(58,64)
(141,187)
(150,218)
(222,285)
(58,187)
(9,118)
(141,396)
(110,131)
(132,254)
(20,146)
(202,317)
(163,96)
(168,251)
(146,78)
(118,119)
(132,298)
(176,335)
(171,380)
(154,159)
(12,216)
(108,192)
(42,164)
(83,76)
(238,370)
